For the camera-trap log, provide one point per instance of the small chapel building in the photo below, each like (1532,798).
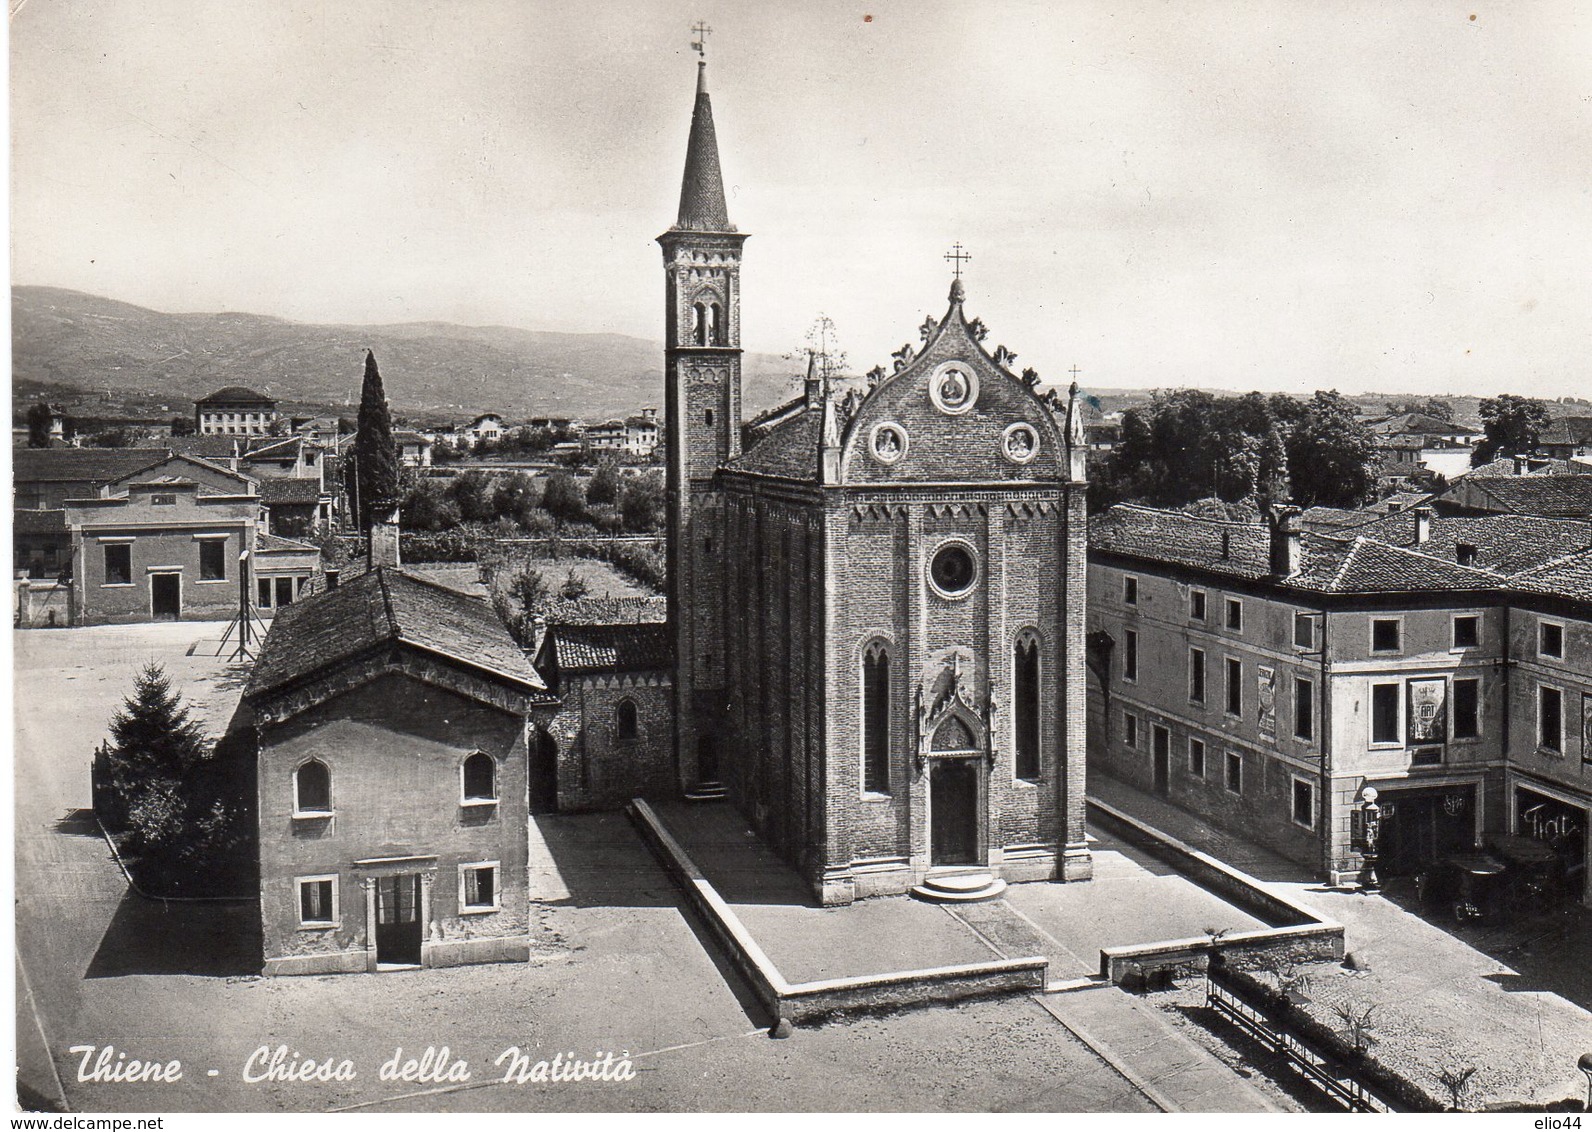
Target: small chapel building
(876,603)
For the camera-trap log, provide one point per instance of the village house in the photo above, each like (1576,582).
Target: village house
(160,548)
(234,411)
(1263,675)
(391,717)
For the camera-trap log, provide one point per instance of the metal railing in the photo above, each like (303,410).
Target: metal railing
(1330,1077)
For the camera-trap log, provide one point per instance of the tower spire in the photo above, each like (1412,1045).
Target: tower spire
(702,205)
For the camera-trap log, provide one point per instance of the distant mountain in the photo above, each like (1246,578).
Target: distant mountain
(62,338)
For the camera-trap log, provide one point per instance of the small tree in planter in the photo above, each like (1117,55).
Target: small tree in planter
(1456,1079)
(1357,1027)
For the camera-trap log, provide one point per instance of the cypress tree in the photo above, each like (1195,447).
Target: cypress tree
(373,473)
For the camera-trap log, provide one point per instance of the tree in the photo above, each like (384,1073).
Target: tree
(1427,407)
(472,492)
(519,594)
(641,504)
(428,507)
(1332,455)
(514,497)
(574,587)
(821,346)
(1272,482)
(603,488)
(40,418)
(164,791)
(563,497)
(374,468)
(181,426)
(1513,425)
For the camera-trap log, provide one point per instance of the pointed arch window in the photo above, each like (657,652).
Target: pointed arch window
(715,324)
(312,789)
(699,324)
(1025,707)
(876,720)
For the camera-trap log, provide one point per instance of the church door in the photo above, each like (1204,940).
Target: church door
(953,812)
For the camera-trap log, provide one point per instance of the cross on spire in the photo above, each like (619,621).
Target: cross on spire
(699,37)
(1075,371)
(956,257)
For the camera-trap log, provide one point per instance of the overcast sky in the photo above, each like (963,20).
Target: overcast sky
(1278,196)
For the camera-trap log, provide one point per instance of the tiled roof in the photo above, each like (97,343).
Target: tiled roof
(1554,497)
(1570,576)
(1421,425)
(789,449)
(1367,566)
(38,522)
(85,465)
(1243,550)
(606,610)
(276,448)
(268,543)
(1568,430)
(235,395)
(1535,465)
(383,606)
(283,489)
(1506,544)
(1176,538)
(1334,518)
(608,648)
(208,447)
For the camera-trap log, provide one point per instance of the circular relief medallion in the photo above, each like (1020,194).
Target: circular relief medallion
(953,388)
(953,571)
(888,442)
(1020,443)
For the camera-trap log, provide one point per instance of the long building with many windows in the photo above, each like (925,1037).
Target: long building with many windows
(1263,675)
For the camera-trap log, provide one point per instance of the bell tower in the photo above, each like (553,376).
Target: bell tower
(702,398)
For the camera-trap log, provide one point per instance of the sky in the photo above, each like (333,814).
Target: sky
(1280,196)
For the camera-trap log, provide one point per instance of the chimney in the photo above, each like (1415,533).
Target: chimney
(1520,465)
(333,575)
(1423,525)
(1285,542)
(382,549)
(1465,553)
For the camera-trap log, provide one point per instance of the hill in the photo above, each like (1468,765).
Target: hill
(68,339)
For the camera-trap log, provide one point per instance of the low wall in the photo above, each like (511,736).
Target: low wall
(1297,933)
(800,1002)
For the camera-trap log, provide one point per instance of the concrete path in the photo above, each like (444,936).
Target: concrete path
(1176,1074)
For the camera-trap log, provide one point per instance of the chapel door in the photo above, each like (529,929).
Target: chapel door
(953,812)
(165,597)
(398,919)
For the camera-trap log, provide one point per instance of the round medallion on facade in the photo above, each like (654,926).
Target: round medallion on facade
(953,388)
(1020,443)
(888,442)
(953,571)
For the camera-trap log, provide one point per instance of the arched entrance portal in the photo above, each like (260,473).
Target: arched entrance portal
(544,774)
(953,812)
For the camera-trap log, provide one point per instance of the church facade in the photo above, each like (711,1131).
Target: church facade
(876,601)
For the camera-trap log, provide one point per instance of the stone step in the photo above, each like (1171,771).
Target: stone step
(705,792)
(958,888)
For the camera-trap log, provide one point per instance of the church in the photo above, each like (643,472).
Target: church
(875,601)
